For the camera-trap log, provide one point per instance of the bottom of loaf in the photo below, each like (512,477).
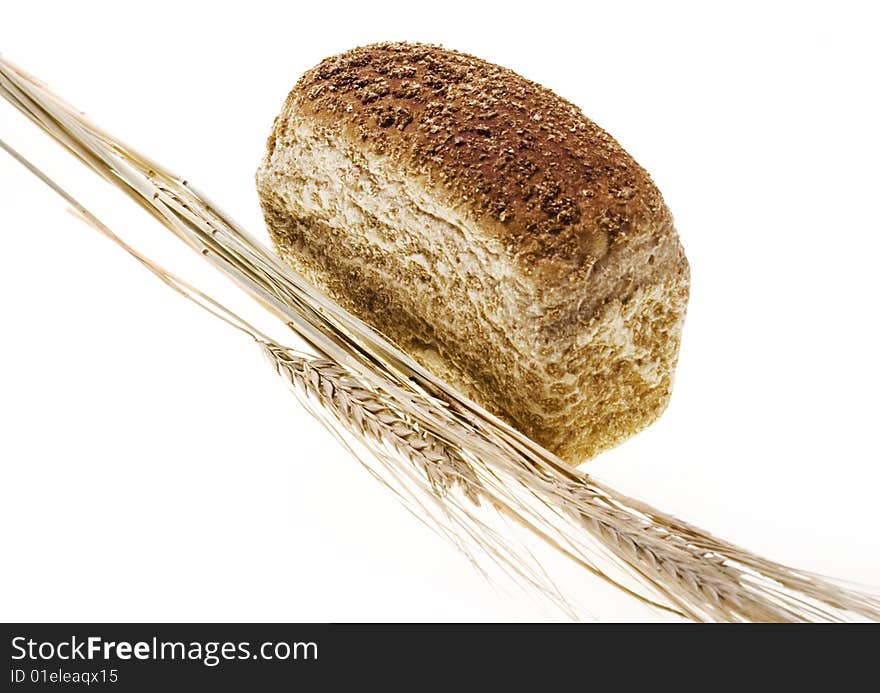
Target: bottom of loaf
(614,380)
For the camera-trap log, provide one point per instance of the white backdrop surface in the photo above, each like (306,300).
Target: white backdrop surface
(153,468)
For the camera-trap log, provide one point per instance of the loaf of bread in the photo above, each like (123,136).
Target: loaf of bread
(491,230)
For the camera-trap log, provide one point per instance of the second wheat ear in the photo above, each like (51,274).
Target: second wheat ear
(454,465)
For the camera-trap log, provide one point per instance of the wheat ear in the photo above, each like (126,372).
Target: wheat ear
(460,452)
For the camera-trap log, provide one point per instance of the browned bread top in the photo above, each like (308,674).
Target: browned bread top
(557,191)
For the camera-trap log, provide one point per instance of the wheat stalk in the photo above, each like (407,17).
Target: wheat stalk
(367,414)
(440,452)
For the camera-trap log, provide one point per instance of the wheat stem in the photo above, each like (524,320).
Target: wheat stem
(444,453)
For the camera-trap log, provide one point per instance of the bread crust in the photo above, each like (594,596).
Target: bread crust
(579,322)
(555,189)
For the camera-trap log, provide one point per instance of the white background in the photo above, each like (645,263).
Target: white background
(153,468)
